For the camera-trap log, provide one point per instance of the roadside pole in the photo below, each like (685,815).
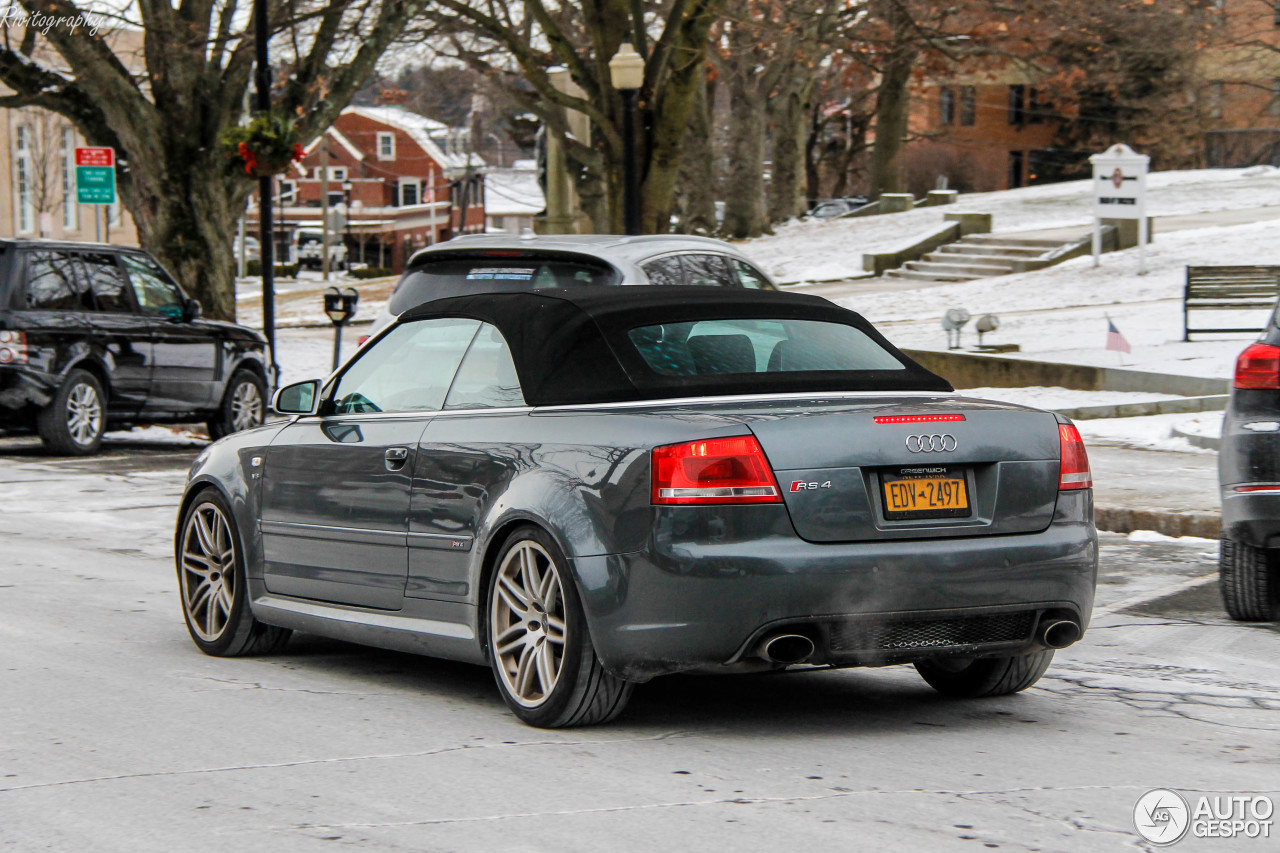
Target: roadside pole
(262,73)
(324,206)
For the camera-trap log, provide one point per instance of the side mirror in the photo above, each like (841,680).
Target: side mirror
(190,310)
(300,398)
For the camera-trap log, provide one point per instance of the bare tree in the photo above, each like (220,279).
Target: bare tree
(516,43)
(165,107)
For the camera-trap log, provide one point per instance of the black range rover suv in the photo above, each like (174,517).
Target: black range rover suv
(95,336)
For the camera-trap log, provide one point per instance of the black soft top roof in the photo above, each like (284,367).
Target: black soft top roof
(570,346)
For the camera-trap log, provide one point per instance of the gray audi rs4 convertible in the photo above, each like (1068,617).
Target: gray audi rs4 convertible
(587,488)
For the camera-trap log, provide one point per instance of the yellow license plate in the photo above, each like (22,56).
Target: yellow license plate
(925,496)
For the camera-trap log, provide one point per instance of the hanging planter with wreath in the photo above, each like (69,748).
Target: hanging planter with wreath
(265,146)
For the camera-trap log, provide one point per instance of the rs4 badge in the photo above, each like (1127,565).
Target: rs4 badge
(802,486)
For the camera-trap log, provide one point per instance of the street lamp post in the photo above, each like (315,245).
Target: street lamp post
(266,245)
(626,70)
(346,190)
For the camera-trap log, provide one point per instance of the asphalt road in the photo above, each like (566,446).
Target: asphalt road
(116,734)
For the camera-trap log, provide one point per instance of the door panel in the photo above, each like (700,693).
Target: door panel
(185,371)
(125,333)
(335,505)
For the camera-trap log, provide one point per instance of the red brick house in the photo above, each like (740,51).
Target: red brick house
(396,183)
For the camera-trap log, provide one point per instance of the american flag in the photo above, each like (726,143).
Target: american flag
(1115,340)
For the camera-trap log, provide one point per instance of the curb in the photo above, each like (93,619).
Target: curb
(1204,525)
(1179,405)
(1208,442)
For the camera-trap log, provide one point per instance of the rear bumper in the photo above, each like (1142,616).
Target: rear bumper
(22,390)
(686,603)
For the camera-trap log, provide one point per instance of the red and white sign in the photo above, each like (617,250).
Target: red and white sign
(95,156)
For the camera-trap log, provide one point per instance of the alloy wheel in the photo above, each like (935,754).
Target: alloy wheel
(527,624)
(246,407)
(208,572)
(84,414)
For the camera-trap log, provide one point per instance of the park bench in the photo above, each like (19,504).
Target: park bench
(1237,288)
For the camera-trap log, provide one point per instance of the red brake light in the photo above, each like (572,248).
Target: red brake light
(13,348)
(501,253)
(715,471)
(1258,367)
(360,340)
(916,419)
(1074,472)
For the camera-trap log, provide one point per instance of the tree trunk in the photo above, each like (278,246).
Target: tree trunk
(789,112)
(744,214)
(892,101)
(695,197)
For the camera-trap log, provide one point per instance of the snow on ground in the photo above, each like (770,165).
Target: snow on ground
(826,250)
(1062,398)
(1060,313)
(1154,432)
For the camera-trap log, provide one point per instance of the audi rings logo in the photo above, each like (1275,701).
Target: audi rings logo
(944,443)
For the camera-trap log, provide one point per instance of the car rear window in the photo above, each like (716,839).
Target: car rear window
(442,277)
(747,346)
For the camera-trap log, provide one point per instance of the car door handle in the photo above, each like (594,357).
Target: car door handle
(395,458)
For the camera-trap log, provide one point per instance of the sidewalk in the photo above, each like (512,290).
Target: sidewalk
(1169,492)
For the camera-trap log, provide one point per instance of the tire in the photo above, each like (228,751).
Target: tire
(75,419)
(532,610)
(971,678)
(212,586)
(243,405)
(1249,580)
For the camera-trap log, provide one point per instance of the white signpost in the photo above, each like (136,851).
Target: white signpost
(1120,192)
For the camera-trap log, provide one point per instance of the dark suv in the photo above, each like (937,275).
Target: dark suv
(95,336)
(1249,477)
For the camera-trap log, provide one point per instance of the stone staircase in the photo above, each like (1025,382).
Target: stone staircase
(982,256)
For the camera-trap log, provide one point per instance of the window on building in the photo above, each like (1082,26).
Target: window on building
(1275,97)
(288,192)
(410,192)
(1036,108)
(968,105)
(1217,91)
(70,208)
(947,103)
(1017,105)
(386,146)
(23,175)
(337,173)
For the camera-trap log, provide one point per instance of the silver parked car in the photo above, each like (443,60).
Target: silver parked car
(477,263)
(590,487)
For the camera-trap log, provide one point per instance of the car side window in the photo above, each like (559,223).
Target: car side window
(665,271)
(749,277)
(708,271)
(487,377)
(106,281)
(409,369)
(155,291)
(52,283)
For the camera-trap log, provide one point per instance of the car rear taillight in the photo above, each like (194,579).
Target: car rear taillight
(13,348)
(1073,472)
(714,471)
(1258,367)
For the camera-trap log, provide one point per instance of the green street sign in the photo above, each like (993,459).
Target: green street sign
(96,184)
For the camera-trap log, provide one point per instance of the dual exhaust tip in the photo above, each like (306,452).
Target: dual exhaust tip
(797,648)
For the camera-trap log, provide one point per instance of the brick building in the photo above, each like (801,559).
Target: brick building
(994,131)
(396,183)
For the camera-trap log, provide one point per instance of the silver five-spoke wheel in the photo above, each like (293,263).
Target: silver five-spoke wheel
(528,623)
(246,406)
(207,572)
(84,414)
